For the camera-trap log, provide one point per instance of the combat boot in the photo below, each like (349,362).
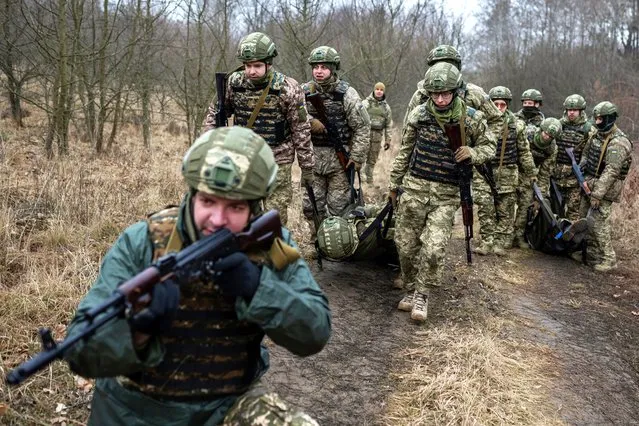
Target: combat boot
(604,266)
(484,248)
(406,304)
(420,307)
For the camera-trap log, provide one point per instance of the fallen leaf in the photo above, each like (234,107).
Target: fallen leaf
(60,407)
(636,313)
(616,295)
(83,384)
(49,391)
(60,419)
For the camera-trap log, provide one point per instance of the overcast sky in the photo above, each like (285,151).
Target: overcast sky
(468,9)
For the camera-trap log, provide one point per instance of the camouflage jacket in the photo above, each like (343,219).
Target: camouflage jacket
(288,306)
(381,117)
(473,95)
(534,120)
(563,173)
(293,106)
(616,162)
(545,157)
(482,145)
(507,176)
(356,115)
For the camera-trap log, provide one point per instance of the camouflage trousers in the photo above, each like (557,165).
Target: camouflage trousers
(599,234)
(524,200)
(493,231)
(373,154)
(258,407)
(282,196)
(572,201)
(331,186)
(422,233)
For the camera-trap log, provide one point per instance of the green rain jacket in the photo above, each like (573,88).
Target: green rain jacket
(289,306)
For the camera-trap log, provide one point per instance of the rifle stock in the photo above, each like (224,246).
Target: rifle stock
(332,134)
(193,260)
(221,120)
(577,171)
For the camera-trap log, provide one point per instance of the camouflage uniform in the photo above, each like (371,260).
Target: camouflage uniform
(498,234)
(605,174)
(574,135)
(545,157)
(530,118)
(211,356)
(428,204)
(381,126)
(282,121)
(347,113)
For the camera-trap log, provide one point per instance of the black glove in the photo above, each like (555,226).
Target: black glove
(156,318)
(237,276)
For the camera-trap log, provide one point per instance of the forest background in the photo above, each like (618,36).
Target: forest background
(92,66)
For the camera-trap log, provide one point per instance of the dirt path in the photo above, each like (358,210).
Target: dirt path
(584,318)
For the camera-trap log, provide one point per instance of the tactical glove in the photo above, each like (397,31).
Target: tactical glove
(237,276)
(156,318)
(307,177)
(317,126)
(463,153)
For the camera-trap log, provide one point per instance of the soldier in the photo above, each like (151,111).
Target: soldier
(349,132)
(194,355)
(272,104)
(605,161)
(381,126)
(339,237)
(496,219)
(530,112)
(474,96)
(425,169)
(544,152)
(576,131)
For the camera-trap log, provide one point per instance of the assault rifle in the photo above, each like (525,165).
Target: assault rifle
(465,171)
(333,136)
(221,120)
(486,171)
(577,171)
(194,261)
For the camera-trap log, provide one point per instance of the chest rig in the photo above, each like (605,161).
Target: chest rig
(335,113)
(507,152)
(572,136)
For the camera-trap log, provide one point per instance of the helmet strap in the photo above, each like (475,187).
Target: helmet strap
(186,211)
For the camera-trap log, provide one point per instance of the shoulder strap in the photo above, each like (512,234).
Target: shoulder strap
(260,103)
(504,136)
(604,147)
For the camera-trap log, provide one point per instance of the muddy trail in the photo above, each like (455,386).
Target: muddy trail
(588,321)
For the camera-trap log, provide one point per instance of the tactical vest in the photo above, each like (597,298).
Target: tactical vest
(335,113)
(571,137)
(594,153)
(535,120)
(432,158)
(377,111)
(209,351)
(510,151)
(271,122)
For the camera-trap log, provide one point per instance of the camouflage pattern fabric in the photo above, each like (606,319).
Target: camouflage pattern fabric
(524,200)
(331,186)
(381,126)
(427,208)
(534,119)
(282,196)
(473,95)
(373,154)
(599,237)
(258,407)
(292,102)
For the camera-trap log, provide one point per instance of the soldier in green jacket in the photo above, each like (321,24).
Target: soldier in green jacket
(605,162)
(530,112)
(194,355)
(381,118)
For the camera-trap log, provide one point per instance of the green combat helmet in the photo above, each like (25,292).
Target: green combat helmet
(500,92)
(552,126)
(230,162)
(575,102)
(532,95)
(256,47)
(444,53)
(324,55)
(442,77)
(605,108)
(337,238)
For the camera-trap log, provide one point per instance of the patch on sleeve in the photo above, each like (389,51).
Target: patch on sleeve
(612,156)
(301,112)
(363,114)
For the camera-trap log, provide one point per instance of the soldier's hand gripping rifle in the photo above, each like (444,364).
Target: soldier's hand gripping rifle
(196,260)
(465,172)
(577,171)
(221,120)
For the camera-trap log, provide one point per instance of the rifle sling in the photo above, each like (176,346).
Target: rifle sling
(504,136)
(375,223)
(462,126)
(604,147)
(260,103)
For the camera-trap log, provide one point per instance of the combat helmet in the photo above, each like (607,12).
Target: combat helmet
(230,162)
(608,112)
(324,55)
(444,53)
(552,126)
(532,95)
(500,92)
(442,77)
(337,238)
(256,47)
(575,101)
